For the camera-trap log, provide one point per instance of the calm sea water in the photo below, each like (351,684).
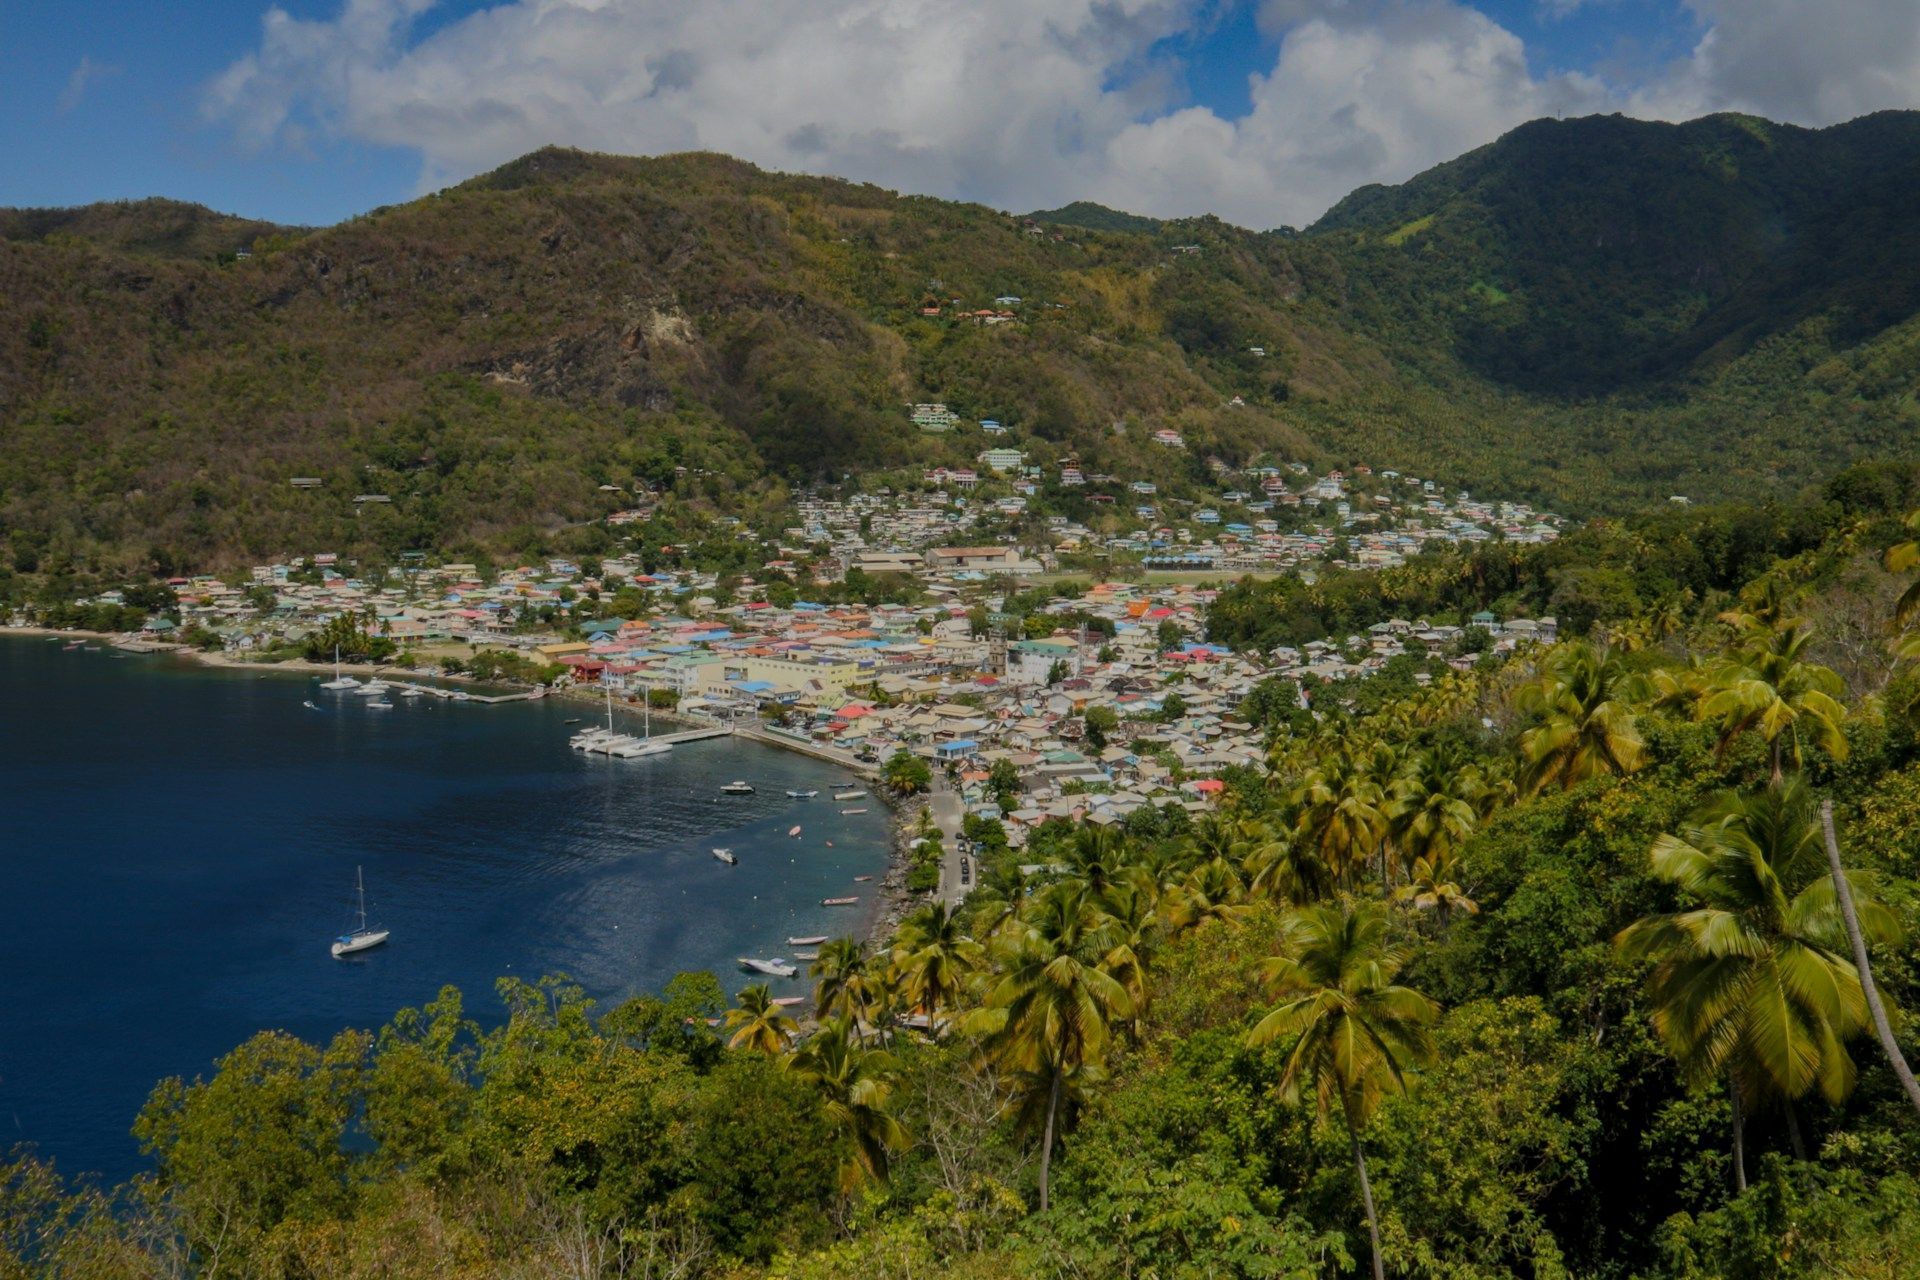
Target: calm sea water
(177,848)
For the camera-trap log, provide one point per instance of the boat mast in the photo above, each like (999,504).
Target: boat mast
(360,882)
(608,686)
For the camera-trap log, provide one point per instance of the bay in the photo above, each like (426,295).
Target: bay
(178,846)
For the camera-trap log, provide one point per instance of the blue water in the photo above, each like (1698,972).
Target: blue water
(178,844)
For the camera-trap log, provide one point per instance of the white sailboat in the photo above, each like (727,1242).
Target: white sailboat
(648,747)
(362,938)
(339,681)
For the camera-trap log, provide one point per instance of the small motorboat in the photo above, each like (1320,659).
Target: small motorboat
(838,902)
(806,955)
(575,720)
(311,705)
(772,968)
(853,794)
(727,856)
(737,788)
(794,831)
(412,691)
(861,879)
(851,812)
(382,705)
(812,940)
(787,1002)
(801,795)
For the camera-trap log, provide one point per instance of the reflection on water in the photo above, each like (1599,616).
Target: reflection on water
(180,844)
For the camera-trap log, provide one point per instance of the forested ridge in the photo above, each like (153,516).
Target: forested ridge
(1546,968)
(1592,313)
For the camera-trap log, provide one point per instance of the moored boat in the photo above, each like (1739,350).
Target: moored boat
(851,812)
(362,938)
(801,795)
(737,788)
(794,831)
(339,682)
(851,794)
(838,902)
(727,856)
(812,940)
(772,968)
(787,1002)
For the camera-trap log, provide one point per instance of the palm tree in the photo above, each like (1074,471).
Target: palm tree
(932,956)
(1132,930)
(1282,869)
(758,1023)
(856,1084)
(1341,812)
(1857,939)
(1586,722)
(1434,803)
(842,981)
(1211,891)
(1767,686)
(1755,985)
(1048,1016)
(1430,886)
(1353,1033)
(1901,557)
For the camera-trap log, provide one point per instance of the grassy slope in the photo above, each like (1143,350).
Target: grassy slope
(1592,313)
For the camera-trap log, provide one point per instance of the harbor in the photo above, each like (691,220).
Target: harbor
(193,867)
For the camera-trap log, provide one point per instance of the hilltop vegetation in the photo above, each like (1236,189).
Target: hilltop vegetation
(1591,314)
(1537,971)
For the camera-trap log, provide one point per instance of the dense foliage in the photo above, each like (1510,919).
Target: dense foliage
(1593,312)
(1544,969)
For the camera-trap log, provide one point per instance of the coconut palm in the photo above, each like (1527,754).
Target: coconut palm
(1341,811)
(1755,986)
(1286,870)
(932,956)
(1048,1016)
(856,1086)
(1434,803)
(1352,1034)
(1213,891)
(1132,929)
(758,1023)
(1586,725)
(1430,887)
(842,980)
(1768,686)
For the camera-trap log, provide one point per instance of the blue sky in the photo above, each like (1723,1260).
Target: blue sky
(1264,111)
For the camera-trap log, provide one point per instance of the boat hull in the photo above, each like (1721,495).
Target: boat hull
(358,942)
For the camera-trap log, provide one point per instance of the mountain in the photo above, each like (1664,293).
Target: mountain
(1592,313)
(1586,256)
(1095,217)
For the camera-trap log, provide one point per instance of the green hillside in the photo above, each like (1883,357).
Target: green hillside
(1593,314)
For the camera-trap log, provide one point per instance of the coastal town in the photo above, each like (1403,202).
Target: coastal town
(1104,696)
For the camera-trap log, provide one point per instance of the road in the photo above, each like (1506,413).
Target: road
(947,812)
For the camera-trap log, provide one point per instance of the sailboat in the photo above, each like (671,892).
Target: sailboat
(363,938)
(648,747)
(339,681)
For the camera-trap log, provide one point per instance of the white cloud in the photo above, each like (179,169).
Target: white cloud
(86,74)
(1020,103)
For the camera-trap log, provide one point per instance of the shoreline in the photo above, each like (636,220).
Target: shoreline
(892,901)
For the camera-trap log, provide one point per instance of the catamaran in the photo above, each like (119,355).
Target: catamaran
(339,681)
(363,938)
